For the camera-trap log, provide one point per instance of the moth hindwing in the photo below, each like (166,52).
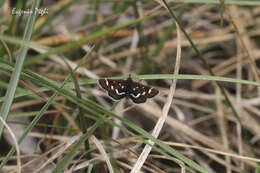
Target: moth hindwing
(118,89)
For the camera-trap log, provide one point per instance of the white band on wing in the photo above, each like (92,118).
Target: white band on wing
(118,93)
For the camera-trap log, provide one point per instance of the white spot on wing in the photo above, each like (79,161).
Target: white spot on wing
(118,93)
(143,93)
(150,90)
(135,96)
(112,87)
(107,82)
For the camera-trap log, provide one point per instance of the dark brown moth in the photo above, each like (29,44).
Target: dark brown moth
(118,89)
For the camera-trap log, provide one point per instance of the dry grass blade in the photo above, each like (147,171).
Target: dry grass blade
(103,153)
(18,154)
(251,60)
(139,163)
(59,152)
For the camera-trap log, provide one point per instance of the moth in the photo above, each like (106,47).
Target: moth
(118,89)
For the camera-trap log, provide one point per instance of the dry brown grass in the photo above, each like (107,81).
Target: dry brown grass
(199,124)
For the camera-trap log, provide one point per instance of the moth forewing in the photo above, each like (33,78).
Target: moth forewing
(115,88)
(115,96)
(152,92)
(104,83)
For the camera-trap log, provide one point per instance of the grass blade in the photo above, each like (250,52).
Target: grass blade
(38,116)
(18,66)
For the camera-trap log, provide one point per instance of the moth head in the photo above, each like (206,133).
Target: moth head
(129,79)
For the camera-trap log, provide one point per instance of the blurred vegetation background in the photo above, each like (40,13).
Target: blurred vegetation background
(53,52)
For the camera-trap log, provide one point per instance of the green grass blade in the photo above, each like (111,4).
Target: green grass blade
(82,120)
(53,84)
(52,16)
(38,116)
(91,37)
(20,92)
(221,6)
(1,4)
(167,148)
(62,164)
(203,60)
(97,110)
(257,170)
(18,66)
(217,2)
